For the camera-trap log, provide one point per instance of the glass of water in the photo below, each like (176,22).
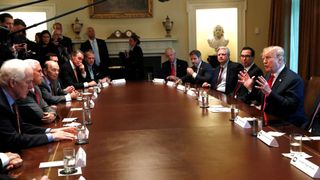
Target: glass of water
(295,143)
(69,161)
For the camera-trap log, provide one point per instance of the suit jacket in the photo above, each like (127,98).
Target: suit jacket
(97,74)
(134,64)
(52,94)
(67,43)
(181,68)
(103,53)
(30,111)
(204,74)
(286,100)
(11,140)
(68,77)
(233,70)
(243,92)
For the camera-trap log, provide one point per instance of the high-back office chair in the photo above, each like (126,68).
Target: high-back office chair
(311,92)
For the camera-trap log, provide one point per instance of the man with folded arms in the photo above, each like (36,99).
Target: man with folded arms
(73,73)
(50,86)
(16,79)
(200,71)
(34,109)
(174,68)
(281,91)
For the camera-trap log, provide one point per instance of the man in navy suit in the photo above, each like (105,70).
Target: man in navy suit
(247,58)
(92,70)
(225,76)
(281,91)
(200,71)
(99,47)
(16,78)
(173,68)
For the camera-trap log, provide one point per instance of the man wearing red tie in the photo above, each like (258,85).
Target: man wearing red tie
(281,90)
(173,68)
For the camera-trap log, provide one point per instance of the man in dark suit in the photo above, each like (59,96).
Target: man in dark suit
(15,82)
(34,109)
(65,41)
(73,73)
(225,76)
(247,58)
(92,70)
(200,71)
(173,68)
(99,47)
(50,86)
(281,91)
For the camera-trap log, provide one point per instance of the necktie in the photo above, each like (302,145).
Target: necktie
(91,73)
(96,53)
(314,115)
(173,71)
(270,80)
(16,111)
(219,77)
(37,96)
(236,90)
(75,74)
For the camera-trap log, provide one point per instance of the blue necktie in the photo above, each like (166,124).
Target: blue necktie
(96,52)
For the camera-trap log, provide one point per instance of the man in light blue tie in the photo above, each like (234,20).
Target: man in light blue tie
(99,48)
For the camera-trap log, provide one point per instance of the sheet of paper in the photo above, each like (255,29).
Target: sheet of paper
(75,109)
(79,171)
(290,155)
(67,120)
(50,164)
(275,134)
(219,108)
(73,124)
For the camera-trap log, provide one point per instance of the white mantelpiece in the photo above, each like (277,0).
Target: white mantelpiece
(150,46)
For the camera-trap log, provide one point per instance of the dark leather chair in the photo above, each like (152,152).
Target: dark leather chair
(311,92)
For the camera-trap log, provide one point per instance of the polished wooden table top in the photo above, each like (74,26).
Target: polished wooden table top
(147,131)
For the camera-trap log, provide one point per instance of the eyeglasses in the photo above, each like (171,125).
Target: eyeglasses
(245,56)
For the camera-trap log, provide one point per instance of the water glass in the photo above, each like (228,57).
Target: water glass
(256,126)
(234,112)
(295,143)
(69,160)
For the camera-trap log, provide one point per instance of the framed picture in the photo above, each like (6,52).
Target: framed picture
(113,9)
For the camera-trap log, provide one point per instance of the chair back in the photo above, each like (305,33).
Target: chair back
(311,93)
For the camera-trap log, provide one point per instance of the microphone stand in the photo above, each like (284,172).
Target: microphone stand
(21,5)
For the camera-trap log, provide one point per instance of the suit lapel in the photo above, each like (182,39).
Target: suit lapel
(279,79)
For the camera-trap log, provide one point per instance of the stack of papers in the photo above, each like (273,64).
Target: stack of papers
(219,108)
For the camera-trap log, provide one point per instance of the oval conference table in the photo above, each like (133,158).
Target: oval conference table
(146,131)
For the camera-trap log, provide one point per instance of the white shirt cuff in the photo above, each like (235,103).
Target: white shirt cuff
(84,75)
(194,75)
(4,158)
(86,84)
(68,97)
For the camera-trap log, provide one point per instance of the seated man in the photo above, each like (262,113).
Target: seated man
(15,134)
(281,92)
(173,68)
(73,72)
(200,71)
(33,109)
(92,70)
(247,58)
(225,76)
(50,87)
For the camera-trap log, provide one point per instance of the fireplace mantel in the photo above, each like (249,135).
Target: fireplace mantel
(150,46)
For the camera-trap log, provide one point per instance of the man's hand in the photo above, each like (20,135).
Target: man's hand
(172,78)
(92,83)
(190,71)
(69,89)
(263,85)
(206,85)
(72,130)
(81,67)
(245,79)
(48,117)
(74,94)
(14,160)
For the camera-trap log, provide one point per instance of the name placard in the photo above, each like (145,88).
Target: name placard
(171,84)
(242,122)
(267,139)
(305,166)
(118,81)
(180,87)
(158,81)
(191,93)
(104,85)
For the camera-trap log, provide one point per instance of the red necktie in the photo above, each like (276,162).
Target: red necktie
(270,80)
(236,89)
(219,77)
(173,71)
(37,96)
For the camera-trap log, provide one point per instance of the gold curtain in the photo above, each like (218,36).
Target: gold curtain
(309,40)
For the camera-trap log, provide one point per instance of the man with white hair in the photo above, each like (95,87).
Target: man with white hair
(34,109)
(16,79)
(281,90)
